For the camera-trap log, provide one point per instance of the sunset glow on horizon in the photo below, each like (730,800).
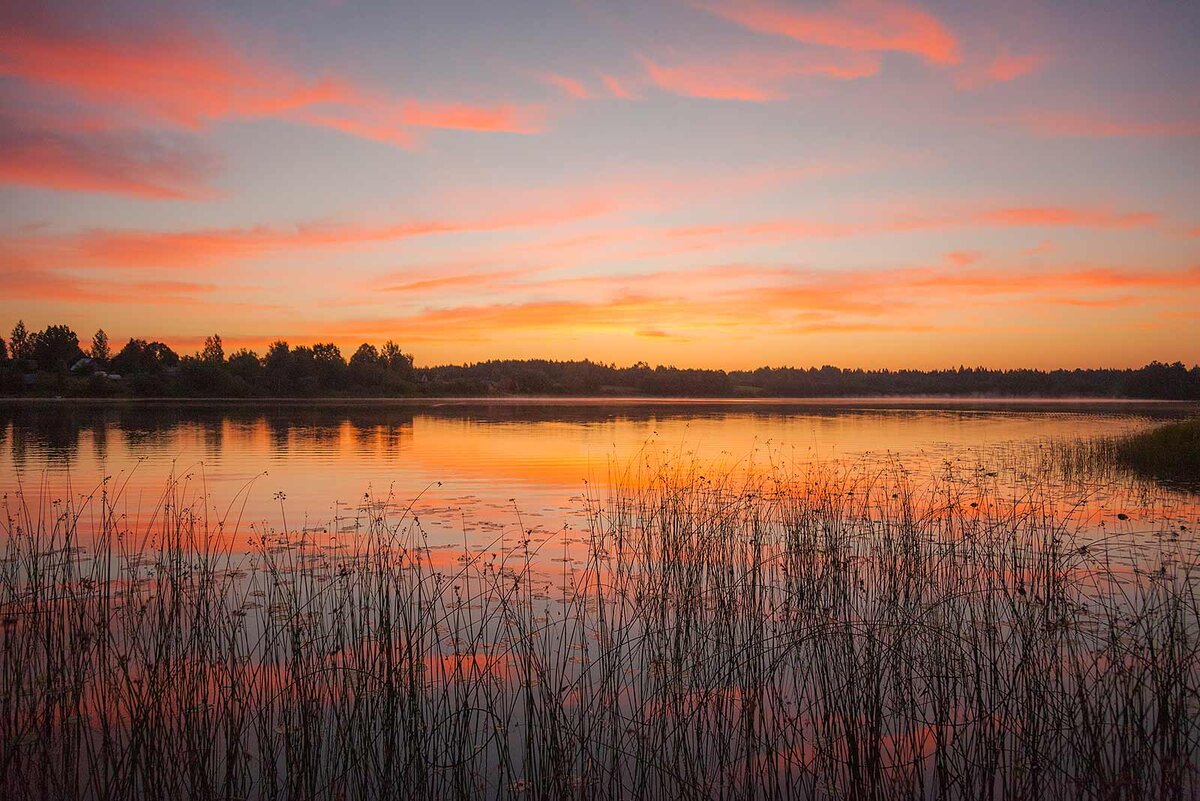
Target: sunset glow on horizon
(867,183)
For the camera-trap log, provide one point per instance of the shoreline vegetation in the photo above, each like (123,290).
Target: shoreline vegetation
(52,363)
(844,632)
(1168,453)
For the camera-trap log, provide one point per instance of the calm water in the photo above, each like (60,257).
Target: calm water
(759,637)
(467,463)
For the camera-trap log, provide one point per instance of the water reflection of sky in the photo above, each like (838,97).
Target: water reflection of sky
(474,466)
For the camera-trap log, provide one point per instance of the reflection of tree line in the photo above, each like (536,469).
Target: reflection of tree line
(56,432)
(51,362)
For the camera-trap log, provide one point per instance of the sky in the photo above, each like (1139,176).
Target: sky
(865,183)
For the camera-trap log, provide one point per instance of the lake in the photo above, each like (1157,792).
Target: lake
(599,599)
(486,459)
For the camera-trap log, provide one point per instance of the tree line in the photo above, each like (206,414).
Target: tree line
(53,362)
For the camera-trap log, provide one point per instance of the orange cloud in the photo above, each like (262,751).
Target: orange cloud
(680,308)
(864,25)
(475,280)
(790,300)
(755,77)
(103,161)
(1058,216)
(828,300)
(1120,301)
(44,285)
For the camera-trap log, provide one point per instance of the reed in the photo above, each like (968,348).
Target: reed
(1170,452)
(845,631)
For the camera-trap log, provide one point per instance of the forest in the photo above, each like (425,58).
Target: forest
(54,363)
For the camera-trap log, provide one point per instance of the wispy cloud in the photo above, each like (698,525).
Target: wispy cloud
(1008,66)
(568,86)
(212,247)
(482,211)
(755,76)
(793,300)
(1064,217)
(862,25)
(1085,125)
(110,161)
(189,78)
(64,287)
(618,88)
(728,234)
(1005,66)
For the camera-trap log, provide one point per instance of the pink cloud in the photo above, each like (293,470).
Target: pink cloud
(1009,66)
(863,25)
(616,88)
(1087,125)
(569,86)
(116,162)
(1004,67)
(189,78)
(755,76)
(133,248)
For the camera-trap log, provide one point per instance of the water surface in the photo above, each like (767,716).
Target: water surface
(487,460)
(770,594)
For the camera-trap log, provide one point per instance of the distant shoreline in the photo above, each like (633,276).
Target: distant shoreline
(603,400)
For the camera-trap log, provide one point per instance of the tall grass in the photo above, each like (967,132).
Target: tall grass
(1169,453)
(844,632)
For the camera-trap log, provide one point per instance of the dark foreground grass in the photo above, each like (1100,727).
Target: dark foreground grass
(838,634)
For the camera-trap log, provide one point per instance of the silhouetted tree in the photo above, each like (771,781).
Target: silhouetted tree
(214,351)
(396,360)
(3,350)
(330,366)
(19,341)
(277,355)
(142,357)
(366,356)
(246,365)
(55,348)
(162,354)
(100,347)
(367,369)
